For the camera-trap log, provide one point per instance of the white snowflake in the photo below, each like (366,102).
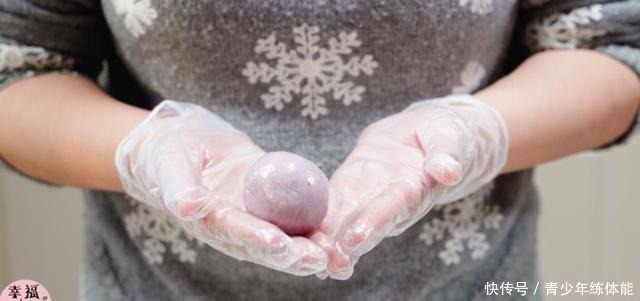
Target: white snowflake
(13,57)
(461,222)
(480,7)
(470,78)
(17,62)
(310,70)
(568,30)
(158,231)
(138,15)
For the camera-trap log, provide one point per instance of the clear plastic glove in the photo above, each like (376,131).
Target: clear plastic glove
(187,161)
(435,151)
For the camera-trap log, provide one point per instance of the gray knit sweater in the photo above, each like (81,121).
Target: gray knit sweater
(307,77)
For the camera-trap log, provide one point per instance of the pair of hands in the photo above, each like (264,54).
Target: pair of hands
(190,163)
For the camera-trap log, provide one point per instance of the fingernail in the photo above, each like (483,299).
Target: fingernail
(322,275)
(344,274)
(318,257)
(354,238)
(279,251)
(444,168)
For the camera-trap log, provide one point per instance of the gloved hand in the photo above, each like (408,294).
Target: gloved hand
(435,151)
(187,161)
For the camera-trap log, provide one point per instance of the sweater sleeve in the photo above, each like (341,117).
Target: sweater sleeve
(44,36)
(609,27)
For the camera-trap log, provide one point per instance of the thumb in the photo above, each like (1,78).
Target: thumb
(179,181)
(443,168)
(445,141)
(176,169)
(164,172)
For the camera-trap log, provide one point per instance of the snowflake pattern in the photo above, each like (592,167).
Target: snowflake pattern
(310,70)
(480,7)
(463,221)
(14,57)
(17,61)
(138,15)
(470,78)
(158,232)
(568,30)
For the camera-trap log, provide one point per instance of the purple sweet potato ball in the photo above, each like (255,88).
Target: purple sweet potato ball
(288,191)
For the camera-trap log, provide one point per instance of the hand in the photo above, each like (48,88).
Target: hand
(190,163)
(434,151)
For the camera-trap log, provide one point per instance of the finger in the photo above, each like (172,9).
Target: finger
(328,246)
(263,242)
(345,192)
(221,171)
(226,178)
(340,265)
(433,191)
(379,217)
(313,258)
(323,240)
(444,140)
(177,172)
(322,275)
(260,239)
(395,206)
(337,262)
(362,178)
(443,168)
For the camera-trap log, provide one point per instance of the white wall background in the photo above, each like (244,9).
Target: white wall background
(41,231)
(588,229)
